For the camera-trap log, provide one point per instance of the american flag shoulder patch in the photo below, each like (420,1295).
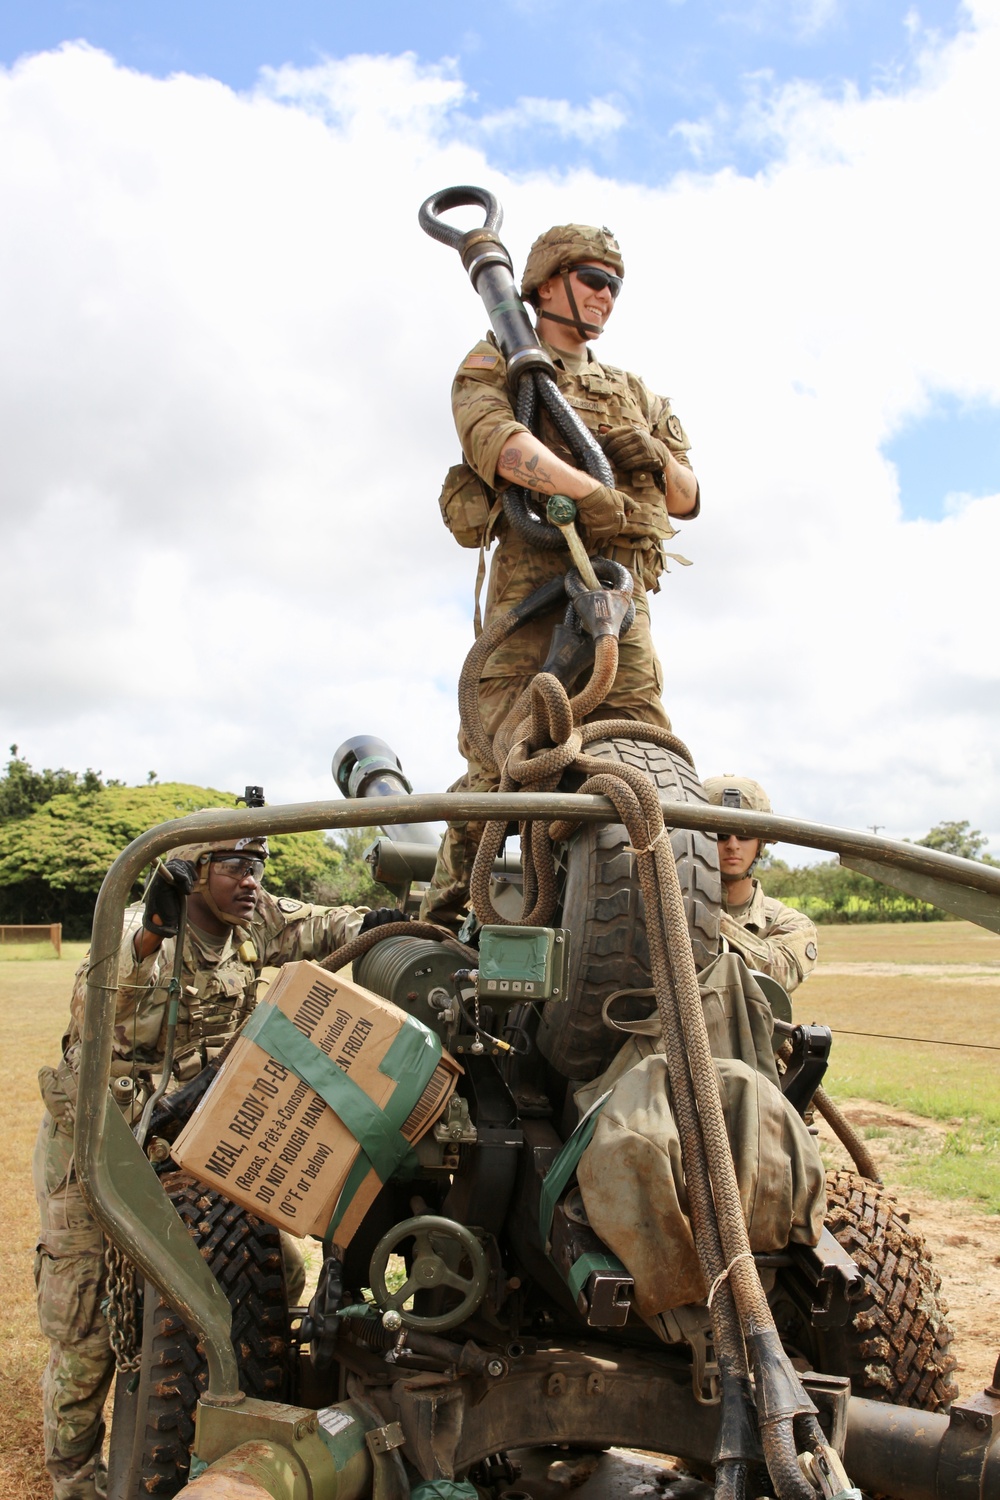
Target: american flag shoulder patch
(481,362)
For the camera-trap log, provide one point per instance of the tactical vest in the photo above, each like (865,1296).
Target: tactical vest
(602,398)
(214,1003)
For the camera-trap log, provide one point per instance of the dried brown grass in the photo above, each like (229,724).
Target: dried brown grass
(34,1008)
(34,1004)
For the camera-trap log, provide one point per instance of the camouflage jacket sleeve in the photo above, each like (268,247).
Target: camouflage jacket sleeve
(484,417)
(136,980)
(667,426)
(293,930)
(773,938)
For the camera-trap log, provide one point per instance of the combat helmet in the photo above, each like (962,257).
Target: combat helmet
(556,252)
(737,791)
(566,245)
(201,856)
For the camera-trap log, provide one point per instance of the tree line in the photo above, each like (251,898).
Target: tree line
(828,892)
(60,831)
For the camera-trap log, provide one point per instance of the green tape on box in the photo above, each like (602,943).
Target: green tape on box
(410,1061)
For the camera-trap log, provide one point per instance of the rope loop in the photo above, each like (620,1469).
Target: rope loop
(649,847)
(724,1275)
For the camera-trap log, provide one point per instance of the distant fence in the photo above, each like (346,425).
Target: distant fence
(42,932)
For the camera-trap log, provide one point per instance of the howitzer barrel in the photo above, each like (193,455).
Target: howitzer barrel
(393,862)
(366,766)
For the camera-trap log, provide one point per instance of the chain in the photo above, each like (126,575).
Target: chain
(121,1310)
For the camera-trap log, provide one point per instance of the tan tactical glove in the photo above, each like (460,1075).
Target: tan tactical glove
(629,448)
(603,512)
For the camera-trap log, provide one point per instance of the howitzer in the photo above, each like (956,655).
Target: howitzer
(613,1390)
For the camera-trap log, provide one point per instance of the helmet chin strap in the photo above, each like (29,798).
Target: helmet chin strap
(585,330)
(205,892)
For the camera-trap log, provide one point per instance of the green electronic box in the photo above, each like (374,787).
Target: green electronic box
(522,963)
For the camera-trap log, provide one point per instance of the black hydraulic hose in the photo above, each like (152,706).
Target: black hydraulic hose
(519,503)
(582,443)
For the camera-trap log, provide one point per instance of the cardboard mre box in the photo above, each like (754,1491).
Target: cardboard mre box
(266,1137)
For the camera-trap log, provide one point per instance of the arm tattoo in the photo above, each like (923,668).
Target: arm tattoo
(526,471)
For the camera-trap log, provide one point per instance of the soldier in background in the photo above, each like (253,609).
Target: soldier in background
(573,275)
(234,929)
(771,937)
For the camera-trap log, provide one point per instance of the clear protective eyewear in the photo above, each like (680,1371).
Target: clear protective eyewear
(239,866)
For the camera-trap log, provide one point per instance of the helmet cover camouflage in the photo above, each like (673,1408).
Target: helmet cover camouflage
(200,855)
(255,844)
(566,245)
(743,793)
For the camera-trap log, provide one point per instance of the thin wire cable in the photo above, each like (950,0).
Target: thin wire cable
(928,1041)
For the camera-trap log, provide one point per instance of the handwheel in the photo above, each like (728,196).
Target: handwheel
(440,1246)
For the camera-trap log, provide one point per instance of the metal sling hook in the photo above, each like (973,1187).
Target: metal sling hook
(491,272)
(458,197)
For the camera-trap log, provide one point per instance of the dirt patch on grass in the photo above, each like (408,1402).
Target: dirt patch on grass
(963,1241)
(941,973)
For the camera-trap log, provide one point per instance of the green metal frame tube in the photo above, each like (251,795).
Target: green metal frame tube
(141,1240)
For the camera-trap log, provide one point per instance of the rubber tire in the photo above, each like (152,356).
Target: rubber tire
(603,908)
(897,1345)
(244,1255)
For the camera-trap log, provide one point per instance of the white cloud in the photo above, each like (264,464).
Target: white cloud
(588,123)
(223,423)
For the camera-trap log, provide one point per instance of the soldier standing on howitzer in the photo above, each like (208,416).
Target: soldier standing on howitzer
(771,937)
(234,929)
(572,277)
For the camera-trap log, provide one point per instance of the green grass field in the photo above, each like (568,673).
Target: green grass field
(953,1085)
(936,1078)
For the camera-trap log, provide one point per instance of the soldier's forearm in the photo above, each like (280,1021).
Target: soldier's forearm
(525,460)
(145,942)
(682,488)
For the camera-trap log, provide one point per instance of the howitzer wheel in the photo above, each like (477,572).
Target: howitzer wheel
(244,1255)
(897,1344)
(602,906)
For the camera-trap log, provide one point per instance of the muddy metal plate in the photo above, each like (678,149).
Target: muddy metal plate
(617,1474)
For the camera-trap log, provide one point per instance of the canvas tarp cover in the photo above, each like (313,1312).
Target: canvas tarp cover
(631,1175)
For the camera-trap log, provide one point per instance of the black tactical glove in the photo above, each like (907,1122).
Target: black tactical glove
(629,448)
(163,900)
(379,917)
(603,512)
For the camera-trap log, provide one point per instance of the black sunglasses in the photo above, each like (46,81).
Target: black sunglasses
(597,279)
(744,838)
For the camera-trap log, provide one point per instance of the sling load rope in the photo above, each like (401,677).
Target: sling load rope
(541,739)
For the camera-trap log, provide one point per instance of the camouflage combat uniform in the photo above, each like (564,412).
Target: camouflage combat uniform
(219,980)
(604,398)
(771,937)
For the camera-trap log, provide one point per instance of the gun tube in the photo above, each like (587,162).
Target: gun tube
(366,766)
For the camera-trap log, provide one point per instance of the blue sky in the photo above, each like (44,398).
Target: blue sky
(673,84)
(195,353)
(659,63)
(952,451)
